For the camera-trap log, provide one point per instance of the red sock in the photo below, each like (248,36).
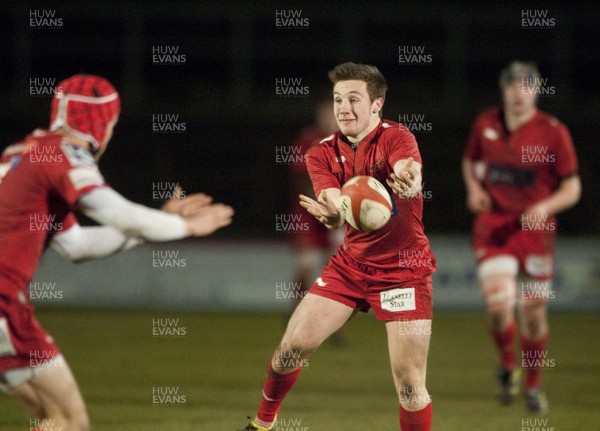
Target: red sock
(416,421)
(504,342)
(533,354)
(274,391)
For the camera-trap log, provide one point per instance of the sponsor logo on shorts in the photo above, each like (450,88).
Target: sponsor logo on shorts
(401,299)
(539,266)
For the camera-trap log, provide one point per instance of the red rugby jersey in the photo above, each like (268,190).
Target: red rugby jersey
(42,179)
(522,167)
(401,243)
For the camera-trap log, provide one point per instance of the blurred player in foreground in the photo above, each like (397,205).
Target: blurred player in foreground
(520,169)
(388,270)
(43,180)
(314,244)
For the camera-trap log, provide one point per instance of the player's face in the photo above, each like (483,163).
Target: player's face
(354,112)
(519,97)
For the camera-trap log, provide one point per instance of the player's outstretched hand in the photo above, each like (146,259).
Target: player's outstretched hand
(183,205)
(407,182)
(323,210)
(208,219)
(478,200)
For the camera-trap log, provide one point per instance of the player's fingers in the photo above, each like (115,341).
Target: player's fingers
(192,204)
(304,198)
(394,184)
(210,219)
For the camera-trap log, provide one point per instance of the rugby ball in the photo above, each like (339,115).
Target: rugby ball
(365,203)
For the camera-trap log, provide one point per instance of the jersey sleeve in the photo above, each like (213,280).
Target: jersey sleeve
(402,145)
(473,148)
(318,169)
(566,158)
(75,174)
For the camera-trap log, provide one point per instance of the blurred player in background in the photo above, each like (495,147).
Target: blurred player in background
(520,169)
(316,243)
(43,180)
(370,269)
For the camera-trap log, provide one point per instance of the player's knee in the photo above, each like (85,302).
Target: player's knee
(533,320)
(498,282)
(499,296)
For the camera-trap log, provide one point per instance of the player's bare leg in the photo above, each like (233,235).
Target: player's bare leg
(498,277)
(54,398)
(408,345)
(310,263)
(315,319)
(534,340)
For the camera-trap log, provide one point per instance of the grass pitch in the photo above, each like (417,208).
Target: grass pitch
(206,372)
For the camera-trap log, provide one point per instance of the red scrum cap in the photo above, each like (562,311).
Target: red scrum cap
(84,105)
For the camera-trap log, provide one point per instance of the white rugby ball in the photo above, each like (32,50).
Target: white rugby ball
(365,203)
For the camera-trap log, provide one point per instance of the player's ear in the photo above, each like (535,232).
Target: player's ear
(377,105)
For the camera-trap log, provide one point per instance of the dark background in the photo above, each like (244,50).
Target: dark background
(225,90)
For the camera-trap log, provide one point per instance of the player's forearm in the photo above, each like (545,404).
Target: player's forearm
(566,195)
(468,174)
(79,244)
(109,208)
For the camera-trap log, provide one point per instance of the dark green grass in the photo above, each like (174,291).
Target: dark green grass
(219,366)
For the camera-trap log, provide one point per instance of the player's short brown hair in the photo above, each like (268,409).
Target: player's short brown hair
(376,83)
(526,71)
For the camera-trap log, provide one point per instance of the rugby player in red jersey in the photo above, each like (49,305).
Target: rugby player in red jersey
(388,270)
(43,180)
(520,169)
